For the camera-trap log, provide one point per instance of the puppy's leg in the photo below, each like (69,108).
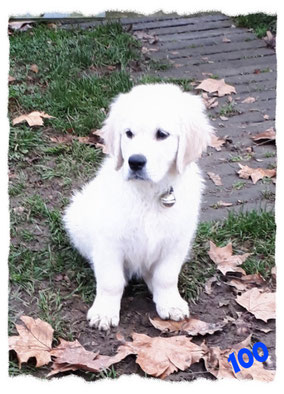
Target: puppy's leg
(108,268)
(164,286)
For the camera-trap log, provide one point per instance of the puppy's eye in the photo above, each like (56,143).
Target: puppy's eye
(161,134)
(129,133)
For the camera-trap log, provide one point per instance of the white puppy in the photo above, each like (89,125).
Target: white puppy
(140,213)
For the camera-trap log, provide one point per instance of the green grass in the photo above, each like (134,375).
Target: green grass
(73,83)
(259,22)
(252,232)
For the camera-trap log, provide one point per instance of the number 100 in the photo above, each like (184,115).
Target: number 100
(251,356)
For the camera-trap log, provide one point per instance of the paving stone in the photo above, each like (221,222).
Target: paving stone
(193,49)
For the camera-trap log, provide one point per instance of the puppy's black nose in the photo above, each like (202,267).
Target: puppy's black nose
(137,162)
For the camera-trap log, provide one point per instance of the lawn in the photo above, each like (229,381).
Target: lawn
(79,72)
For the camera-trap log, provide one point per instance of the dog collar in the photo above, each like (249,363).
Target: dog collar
(168,199)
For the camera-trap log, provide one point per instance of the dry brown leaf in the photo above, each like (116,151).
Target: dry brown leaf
(20,26)
(266,117)
(216,359)
(225,39)
(255,173)
(247,282)
(62,139)
(71,356)
(256,372)
(162,356)
(268,134)
(261,305)
(224,204)
(91,139)
(208,285)
(211,85)
(273,272)
(215,178)
(34,68)
(270,39)
(34,340)
(191,326)
(224,118)
(249,100)
(217,142)
(34,118)
(225,260)
(210,102)
(11,79)
(145,37)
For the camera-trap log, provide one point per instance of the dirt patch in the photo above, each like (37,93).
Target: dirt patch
(137,307)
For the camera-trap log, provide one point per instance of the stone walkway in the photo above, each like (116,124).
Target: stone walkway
(198,47)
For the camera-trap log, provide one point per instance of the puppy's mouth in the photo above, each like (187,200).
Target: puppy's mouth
(140,174)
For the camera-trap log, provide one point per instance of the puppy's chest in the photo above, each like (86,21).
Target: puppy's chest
(146,236)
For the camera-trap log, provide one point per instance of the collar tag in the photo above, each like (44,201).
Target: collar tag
(168,199)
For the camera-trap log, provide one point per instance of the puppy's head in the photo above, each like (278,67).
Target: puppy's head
(156,129)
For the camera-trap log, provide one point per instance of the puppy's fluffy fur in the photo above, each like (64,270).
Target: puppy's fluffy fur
(117,221)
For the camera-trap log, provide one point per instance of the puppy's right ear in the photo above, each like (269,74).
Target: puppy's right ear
(112,137)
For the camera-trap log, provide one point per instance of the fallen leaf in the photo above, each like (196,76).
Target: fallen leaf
(224,118)
(256,372)
(266,117)
(270,40)
(34,340)
(273,272)
(62,139)
(217,142)
(34,118)
(191,326)
(249,100)
(247,282)
(34,68)
(11,79)
(20,26)
(211,85)
(142,35)
(208,285)
(255,173)
(19,210)
(225,39)
(224,204)
(162,356)
(261,305)
(225,260)
(91,139)
(268,134)
(210,102)
(216,359)
(215,178)
(71,356)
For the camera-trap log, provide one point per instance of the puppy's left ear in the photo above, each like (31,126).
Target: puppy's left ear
(112,137)
(195,131)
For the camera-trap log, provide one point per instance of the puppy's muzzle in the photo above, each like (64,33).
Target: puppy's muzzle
(137,162)
(137,165)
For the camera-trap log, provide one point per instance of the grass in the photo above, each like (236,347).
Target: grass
(252,232)
(79,74)
(259,22)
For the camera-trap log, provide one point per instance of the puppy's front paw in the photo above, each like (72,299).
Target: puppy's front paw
(101,317)
(173,311)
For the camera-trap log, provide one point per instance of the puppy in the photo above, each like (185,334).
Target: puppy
(138,216)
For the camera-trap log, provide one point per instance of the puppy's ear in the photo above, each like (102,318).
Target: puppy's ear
(195,131)
(111,136)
